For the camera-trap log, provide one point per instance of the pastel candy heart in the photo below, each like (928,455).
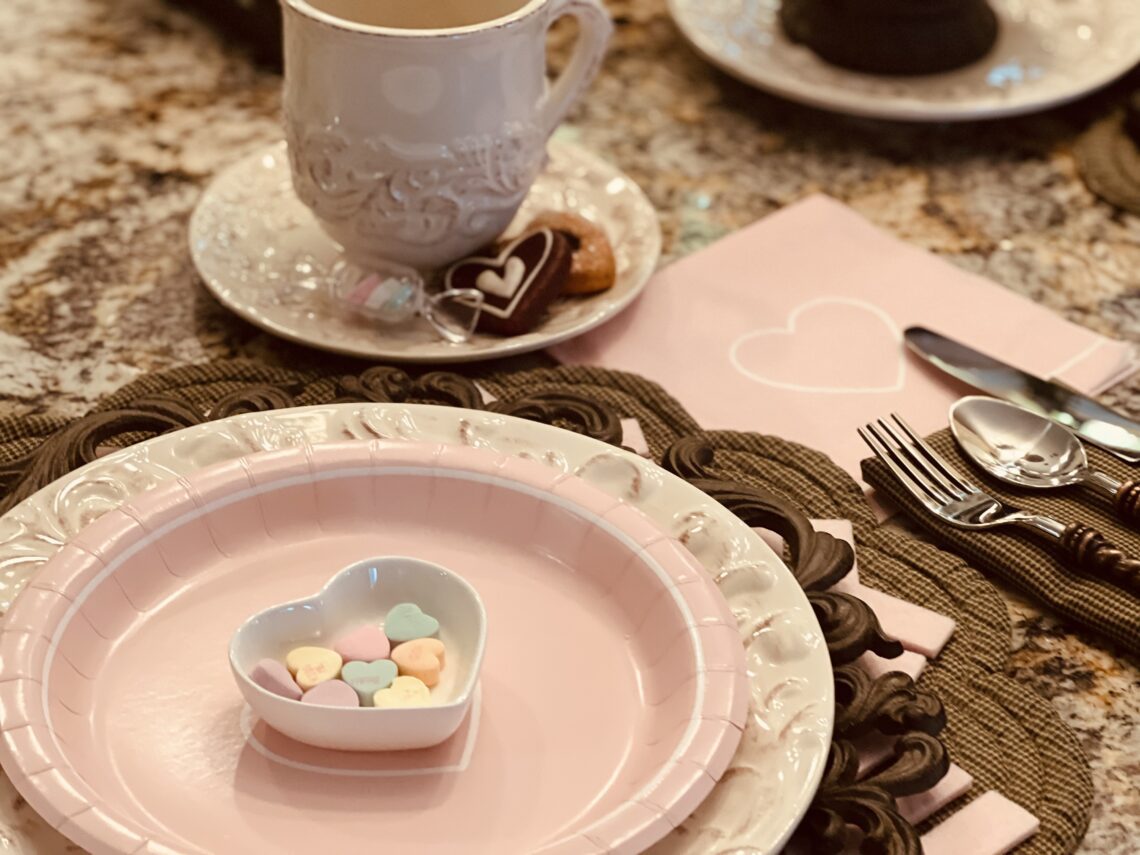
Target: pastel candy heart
(366,644)
(367,678)
(407,622)
(274,677)
(331,693)
(404,692)
(422,658)
(313,665)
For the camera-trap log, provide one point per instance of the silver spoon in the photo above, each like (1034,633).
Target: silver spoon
(1022,448)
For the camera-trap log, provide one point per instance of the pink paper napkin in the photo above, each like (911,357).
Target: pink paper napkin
(793,326)
(989,825)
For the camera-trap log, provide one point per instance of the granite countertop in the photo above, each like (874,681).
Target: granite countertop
(113,114)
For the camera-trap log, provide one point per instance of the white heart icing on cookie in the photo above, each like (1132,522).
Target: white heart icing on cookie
(540,257)
(490,282)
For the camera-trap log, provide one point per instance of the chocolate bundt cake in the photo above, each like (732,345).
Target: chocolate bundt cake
(893,36)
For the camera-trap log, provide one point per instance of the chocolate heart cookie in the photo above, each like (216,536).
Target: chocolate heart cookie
(518,285)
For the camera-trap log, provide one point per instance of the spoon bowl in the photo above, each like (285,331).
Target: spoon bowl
(1017,446)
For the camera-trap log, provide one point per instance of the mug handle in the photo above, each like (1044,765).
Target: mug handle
(595,29)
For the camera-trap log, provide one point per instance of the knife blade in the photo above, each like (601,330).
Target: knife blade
(1079,413)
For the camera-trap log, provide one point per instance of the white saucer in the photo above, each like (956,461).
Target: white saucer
(262,254)
(1049,52)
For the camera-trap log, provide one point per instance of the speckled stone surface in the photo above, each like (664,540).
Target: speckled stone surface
(113,114)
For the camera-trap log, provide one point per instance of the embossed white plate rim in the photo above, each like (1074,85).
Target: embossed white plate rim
(796,748)
(606,305)
(778,79)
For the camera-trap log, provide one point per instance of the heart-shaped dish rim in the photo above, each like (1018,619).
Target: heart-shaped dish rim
(342,579)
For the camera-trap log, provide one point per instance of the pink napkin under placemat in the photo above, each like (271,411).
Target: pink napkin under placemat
(793,327)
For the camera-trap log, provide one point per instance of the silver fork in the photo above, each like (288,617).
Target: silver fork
(950,496)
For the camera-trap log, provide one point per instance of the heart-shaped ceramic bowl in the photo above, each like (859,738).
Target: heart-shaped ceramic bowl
(360,594)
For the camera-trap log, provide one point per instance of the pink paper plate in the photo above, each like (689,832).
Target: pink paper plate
(612,697)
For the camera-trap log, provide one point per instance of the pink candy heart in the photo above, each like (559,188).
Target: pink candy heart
(274,677)
(332,693)
(366,644)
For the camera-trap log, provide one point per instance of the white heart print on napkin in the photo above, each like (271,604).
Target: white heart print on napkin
(817,350)
(793,327)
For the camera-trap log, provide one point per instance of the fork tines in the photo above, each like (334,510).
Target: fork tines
(920,468)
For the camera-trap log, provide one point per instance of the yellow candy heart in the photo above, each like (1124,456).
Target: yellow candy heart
(404,692)
(422,658)
(313,665)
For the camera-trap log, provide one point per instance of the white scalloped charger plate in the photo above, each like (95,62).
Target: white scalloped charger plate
(261,253)
(778,765)
(1049,52)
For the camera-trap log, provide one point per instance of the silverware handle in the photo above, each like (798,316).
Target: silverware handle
(1125,495)
(1127,502)
(1092,554)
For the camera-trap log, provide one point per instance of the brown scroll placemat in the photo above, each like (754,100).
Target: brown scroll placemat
(1026,562)
(1006,736)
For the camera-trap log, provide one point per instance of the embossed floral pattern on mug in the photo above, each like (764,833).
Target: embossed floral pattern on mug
(417,146)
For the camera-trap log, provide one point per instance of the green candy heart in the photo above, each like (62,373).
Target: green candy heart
(407,622)
(367,678)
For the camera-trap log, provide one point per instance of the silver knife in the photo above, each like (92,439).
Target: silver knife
(1079,413)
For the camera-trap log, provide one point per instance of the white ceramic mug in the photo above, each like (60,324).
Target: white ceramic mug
(416,127)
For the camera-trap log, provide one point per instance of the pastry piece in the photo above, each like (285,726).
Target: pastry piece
(893,36)
(517,286)
(592,264)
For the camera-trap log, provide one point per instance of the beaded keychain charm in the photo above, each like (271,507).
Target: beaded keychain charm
(396,296)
